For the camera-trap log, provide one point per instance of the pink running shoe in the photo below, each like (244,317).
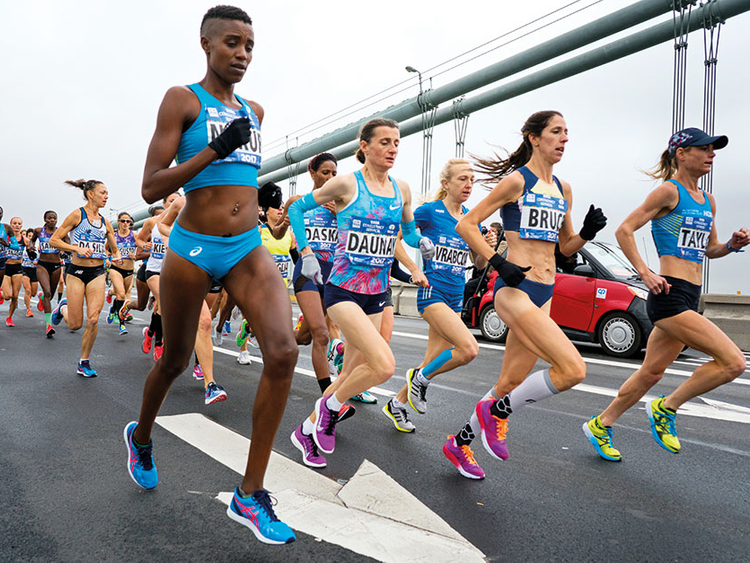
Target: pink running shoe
(463,458)
(493,430)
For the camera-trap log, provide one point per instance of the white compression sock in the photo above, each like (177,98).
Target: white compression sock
(535,387)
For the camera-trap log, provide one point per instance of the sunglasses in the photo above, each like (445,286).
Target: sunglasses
(128,221)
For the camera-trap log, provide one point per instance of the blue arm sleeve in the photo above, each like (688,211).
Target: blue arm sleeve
(411,234)
(297,218)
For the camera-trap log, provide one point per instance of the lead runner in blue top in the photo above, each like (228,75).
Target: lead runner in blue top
(214,137)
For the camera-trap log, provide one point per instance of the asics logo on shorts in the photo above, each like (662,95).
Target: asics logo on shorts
(196,251)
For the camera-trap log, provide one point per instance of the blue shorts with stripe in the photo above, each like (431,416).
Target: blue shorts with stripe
(451,295)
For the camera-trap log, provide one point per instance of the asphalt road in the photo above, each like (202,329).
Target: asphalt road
(65,494)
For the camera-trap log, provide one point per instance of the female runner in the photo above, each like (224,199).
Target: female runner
(535,208)
(48,268)
(684,230)
(89,233)
(449,344)
(214,136)
(369,207)
(30,282)
(13,281)
(122,276)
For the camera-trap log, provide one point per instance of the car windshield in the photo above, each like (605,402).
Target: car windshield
(612,258)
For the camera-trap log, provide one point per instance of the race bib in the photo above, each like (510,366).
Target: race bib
(14,254)
(127,249)
(282,263)
(451,256)
(45,248)
(96,246)
(542,216)
(217,119)
(371,242)
(693,237)
(158,249)
(320,234)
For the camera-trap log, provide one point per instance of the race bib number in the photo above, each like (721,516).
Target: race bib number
(217,119)
(14,254)
(158,249)
(282,263)
(320,234)
(451,256)
(371,242)
(96,246)
(127,249)
(45,248)
(693,237)
(542,216)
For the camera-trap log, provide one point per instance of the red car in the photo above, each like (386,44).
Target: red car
(598,297)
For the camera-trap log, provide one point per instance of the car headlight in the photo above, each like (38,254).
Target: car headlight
(638,292)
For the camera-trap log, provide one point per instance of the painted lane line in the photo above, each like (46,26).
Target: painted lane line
(303,371)
(359,516)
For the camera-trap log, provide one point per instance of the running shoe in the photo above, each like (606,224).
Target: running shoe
(310,453)
(158,351)
(151,301)
(600,437)
(198,372)
(365,397)
(85,369)
(40,301)
(662,425)
(256,512)
(346,411)
(463,458)
(129,317)
(140,461)
(236,313)
(399,417)
(215,394)
(252,341)
(227,330)
(299,321)
(125,312)
(148,340)
(218,338)
(244,358)
(50,331)
(109,297)
(335,356)
(110,315)
(493,430)
(9,322)
(242,334)
(123,329)
(29,313)
(325,426)
(57,315)
(417,392)
(3,300)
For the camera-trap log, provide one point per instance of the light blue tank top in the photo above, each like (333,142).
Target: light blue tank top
(321,229)
(684,231)
(539,212)
(368,227)
(88,235)
(239,168)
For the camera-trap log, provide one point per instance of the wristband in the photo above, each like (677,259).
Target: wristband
(730,249)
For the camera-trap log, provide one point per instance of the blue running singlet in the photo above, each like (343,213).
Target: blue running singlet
(539,212)
(239,168)
(368,227)
(684,231)
(88,235)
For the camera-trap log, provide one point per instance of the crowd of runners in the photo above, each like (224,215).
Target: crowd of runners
(213,238)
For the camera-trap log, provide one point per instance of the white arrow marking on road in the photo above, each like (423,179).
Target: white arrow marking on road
(713,409)
(371,515)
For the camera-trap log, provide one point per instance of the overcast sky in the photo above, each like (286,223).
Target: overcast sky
(83,81)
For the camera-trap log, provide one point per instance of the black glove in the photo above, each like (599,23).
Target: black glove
(594,222)
(31,252)
(234,136)
(512,275)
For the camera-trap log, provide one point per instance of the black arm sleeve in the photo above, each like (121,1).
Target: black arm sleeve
(398,273)
(294,254)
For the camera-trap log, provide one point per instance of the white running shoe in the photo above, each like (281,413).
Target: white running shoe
(244,358)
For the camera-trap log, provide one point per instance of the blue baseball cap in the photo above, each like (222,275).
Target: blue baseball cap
(694,137)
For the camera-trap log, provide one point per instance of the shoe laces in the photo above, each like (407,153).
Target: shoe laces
(144,456)
(468,454)
(267,502)
(665,421)
(314,452)
(330,421)
(501,427)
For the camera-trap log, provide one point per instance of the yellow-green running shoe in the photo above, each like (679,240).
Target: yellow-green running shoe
(600,437)
(662,425)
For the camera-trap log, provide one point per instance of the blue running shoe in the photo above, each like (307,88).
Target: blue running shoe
(57,313)
(227,329)
(85,369)
(123,329)
(111,315)
(140,462)
(256,512)
(215,393)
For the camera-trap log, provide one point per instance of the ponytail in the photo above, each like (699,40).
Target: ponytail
(84,185)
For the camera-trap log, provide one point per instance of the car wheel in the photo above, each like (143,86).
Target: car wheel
(620,335)
(492,326)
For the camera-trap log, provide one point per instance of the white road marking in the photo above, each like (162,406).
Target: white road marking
(371,514)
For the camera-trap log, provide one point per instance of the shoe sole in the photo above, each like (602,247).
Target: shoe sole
(409,376)
(357,398)
(654,433)
(301,448)
(79,372)
(127,445)
(248,524)
(318,406)
(595,442)
(218,399)
(348,413)
(484,436)
(454,460)
(387,413)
